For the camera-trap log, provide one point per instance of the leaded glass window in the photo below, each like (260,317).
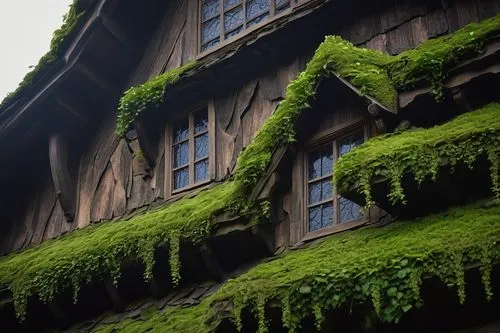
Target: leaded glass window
(190,150)
(324,207)
(222,19)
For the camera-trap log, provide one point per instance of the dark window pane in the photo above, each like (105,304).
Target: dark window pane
(201,146)
(231,3)
(327,162)
(346,144)
(181,154)
(257,20)
(181,131)
(210,44)
(233,18)
(211,30)
(181,178)
(210,8)
(327,215)
(326,189)
(234,32)
(315,218)
(348,210)
(320,162)
(314,165)
(200,122)
(314,192)
(201,171)
(256,8)
(282,5)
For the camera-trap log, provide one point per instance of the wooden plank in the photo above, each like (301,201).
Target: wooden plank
(63,183)
(436,23)
(460,13)
(487,8)
(400,39)
(191,35)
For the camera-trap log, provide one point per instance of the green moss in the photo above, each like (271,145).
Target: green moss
(421,152)
(60,40)
(97,251)
(148,95)
(384,266)
(374,73)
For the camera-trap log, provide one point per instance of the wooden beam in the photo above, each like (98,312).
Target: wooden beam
(118,33)
(146,144)
(156,288)
(63,184)
(70,108)
(113,293)
(97,78)
(213,266)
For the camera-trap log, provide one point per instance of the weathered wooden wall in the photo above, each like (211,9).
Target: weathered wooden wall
(112,177)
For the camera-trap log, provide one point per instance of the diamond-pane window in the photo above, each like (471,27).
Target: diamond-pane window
(223,19)
(325,208)
(190,150)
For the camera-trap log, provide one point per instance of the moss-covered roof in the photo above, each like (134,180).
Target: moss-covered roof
(422,151)
(374,74)
(96,252)
(58,44)
(381,265)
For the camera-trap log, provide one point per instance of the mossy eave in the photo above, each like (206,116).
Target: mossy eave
(97,251)
(421,152)
(147,96)
(73,21)
(384,266)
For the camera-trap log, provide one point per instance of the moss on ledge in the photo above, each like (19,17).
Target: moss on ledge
(148,95)
(374,73)
(98,251)
(384,266)
(421,152)
(58,44)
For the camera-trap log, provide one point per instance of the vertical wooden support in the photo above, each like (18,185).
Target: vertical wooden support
(146,144)
(114,295)
(63,184)
(211,262)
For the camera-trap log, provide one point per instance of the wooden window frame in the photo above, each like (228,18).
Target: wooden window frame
(331,136)
(245,31)
(169,144)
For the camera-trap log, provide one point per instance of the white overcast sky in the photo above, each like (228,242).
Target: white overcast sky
(26,27)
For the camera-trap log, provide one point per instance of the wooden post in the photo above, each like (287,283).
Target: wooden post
(211,262)
(63,184)
(114,295)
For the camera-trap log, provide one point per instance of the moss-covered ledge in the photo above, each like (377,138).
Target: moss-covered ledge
(58,44)
(384,266)
(422,152)
(97,252)
(147,95)
(374,74)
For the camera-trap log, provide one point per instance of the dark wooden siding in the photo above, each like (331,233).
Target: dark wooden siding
(111,178)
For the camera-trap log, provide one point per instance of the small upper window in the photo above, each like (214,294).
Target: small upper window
(325,208)
(190,150)
(222,19)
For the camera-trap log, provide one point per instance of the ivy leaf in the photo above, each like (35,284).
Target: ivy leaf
(305,289)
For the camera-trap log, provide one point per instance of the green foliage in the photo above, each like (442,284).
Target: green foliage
(60,40)
(96,252)
(384,266)
(148,95)
(375,74)
(421,152)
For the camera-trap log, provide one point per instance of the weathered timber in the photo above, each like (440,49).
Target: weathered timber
(213,266)
(63,183)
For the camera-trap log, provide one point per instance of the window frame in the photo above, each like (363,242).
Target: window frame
(273,16)
(169,149)
(330,136)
